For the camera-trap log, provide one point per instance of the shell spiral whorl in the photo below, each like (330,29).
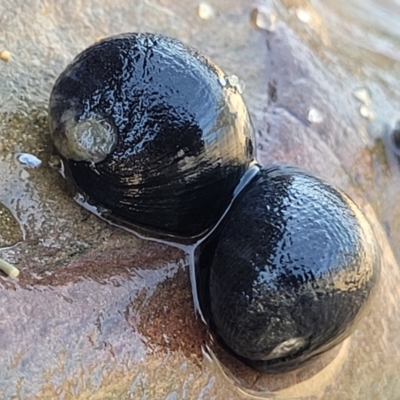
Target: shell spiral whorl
(147,129)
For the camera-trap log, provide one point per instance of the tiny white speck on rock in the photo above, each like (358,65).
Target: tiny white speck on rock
(263,19)
(205,11)
(366,112)
(5,55)
(363,95)
(303,15)
(314,116)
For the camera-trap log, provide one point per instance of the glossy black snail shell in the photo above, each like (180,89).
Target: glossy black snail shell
(150,130)
(288,272)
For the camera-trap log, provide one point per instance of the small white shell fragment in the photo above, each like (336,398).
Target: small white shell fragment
(55,162)
(366,112)
(314,116)
(363,95)
(205,11)
(240,86)
(222,81)
(263,19)
(233,80)
(9,269)
(29,160)
(303,15)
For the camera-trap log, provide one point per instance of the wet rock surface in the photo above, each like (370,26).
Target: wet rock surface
(99,313)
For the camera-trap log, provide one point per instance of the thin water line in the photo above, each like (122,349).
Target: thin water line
(188,249)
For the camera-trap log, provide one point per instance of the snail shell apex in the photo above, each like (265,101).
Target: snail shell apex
(147,131)
(289,272)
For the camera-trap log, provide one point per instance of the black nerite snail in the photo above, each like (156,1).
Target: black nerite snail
(289,270)
(148,130)
(153,132)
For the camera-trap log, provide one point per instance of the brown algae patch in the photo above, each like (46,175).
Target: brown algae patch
(168,319)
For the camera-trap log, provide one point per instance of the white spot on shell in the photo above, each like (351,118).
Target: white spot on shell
(240,87)
(287,347)
(222,81)
(233,80)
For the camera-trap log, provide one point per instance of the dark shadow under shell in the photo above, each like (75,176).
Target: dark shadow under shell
(289,272)
(179,138)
